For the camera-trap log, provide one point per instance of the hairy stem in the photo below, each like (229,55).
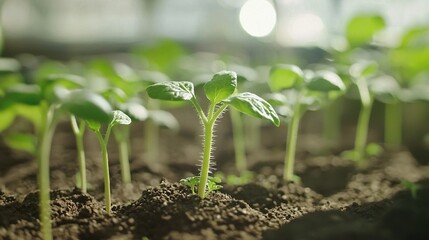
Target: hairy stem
(239,143)
(208,138)
(393,125)
(79,131)
(103,145)
(292,137)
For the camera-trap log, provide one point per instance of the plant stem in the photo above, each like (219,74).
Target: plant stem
(78,133)
(151,137)
(122,137)
(253,134)
(393,125)
(292,137)
(208,138)
(332,123)
(45,140)
(363,121)
(209,122)
(105,156)
(239,143)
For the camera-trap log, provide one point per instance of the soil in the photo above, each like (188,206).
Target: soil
(334,200)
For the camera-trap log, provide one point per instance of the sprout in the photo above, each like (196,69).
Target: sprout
(219,90)
(298,91)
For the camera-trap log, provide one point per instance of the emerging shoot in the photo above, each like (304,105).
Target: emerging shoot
(219,91)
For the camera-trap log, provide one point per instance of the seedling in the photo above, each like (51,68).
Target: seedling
(412,187)
(302,93)
(194,181)
(45,98)
(118,118)
(387,90)
(219,91)
(361,72)
(96,110)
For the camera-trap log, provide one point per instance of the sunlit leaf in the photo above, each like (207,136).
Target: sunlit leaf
(87,105)
(120,117)
(221,86)
(325,81)
(24,93)
(253,105)
(285,77)
(171,91)
(385,88)
(7,117)
(135,110)
(21,141)
(53,82)
(362,28)
(363,69)
(164,119)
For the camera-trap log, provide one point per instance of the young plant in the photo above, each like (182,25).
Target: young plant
(387,90)
(45,98)
(96,110)
(303,93)
(194,181)
(361,73)
(78,128)
(219,91)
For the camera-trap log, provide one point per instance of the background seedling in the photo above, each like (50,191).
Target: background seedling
(43,96)
(303,91)
(361,73)
(219,90)
(96,110)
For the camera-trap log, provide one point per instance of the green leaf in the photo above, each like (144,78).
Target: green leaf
(285,77)
(33,113)
(24,93)
(7,117)
(221,86)
(87,105)
(253,105)
(361,29)
(164,119)
(364,69)
(21,141)
(326,81)
(171,91)
(94,125)
(120,117)
(51,83)
(135,110)
(385,88)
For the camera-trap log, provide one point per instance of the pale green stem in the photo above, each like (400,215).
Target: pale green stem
(393,125)
(79,131)
(253,134)
(332,123)
(122,138)
(105,171)
(238,138)
(363,121)
(103,145)
(43,156)
(151,139)
(151,136)
(292,138)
